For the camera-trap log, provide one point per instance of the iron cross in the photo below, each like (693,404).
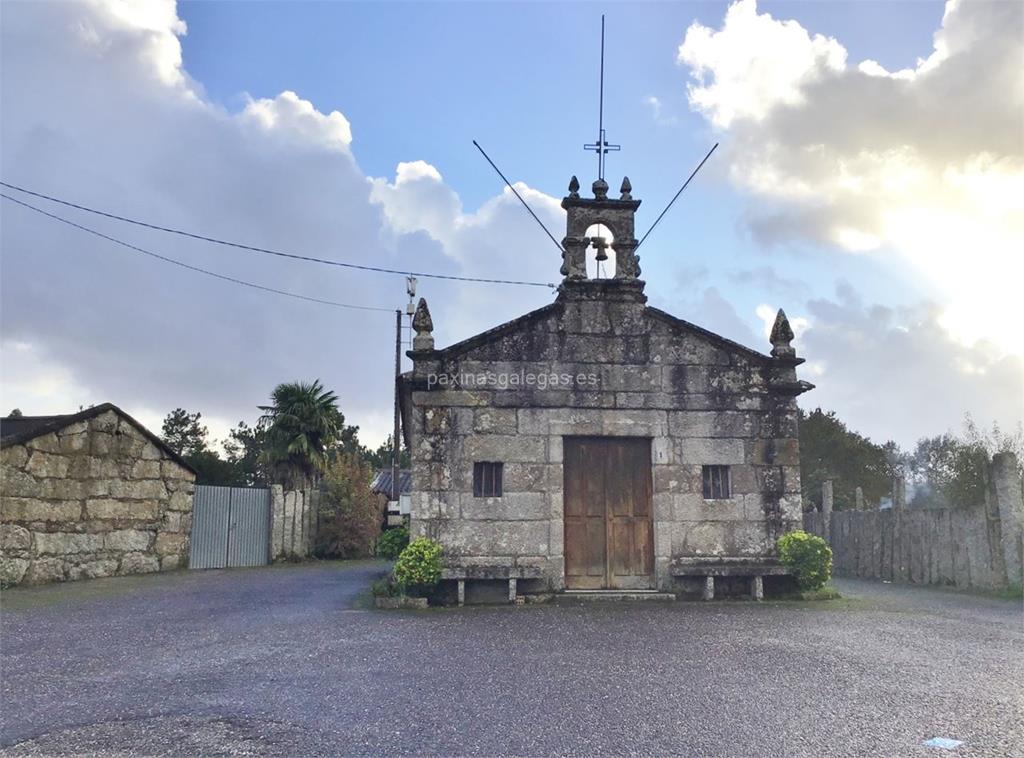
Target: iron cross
(601,147)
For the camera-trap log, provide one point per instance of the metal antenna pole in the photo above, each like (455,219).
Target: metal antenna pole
(675,198)
(601,147)
(509,184)
(600,111)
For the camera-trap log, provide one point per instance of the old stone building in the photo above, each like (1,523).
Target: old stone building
(87,495)
(598,443)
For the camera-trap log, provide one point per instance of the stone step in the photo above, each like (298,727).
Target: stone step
(614,596)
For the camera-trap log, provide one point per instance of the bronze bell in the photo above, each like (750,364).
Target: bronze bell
(601,246)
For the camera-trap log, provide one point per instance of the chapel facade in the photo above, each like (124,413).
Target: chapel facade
(598,444)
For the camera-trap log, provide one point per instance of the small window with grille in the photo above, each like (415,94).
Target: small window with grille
(716,483)
(487,479)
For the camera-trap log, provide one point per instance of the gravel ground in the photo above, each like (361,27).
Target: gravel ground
(289,661)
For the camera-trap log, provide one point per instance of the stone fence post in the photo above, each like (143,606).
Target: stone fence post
(276,522)
(312,519)
(826,508)
(1004,476)
(293,522)
(899,491)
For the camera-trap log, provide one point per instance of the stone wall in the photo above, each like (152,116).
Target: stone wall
(975,546)
(93,499)
(700,399)
(293,522)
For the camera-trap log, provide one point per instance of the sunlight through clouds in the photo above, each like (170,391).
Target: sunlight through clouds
(926,162)
(101,108)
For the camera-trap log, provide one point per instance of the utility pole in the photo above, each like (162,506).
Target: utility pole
(396,446)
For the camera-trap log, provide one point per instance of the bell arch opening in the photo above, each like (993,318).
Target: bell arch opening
(600,253)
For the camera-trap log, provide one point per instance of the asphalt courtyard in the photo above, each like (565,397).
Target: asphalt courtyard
(291,661)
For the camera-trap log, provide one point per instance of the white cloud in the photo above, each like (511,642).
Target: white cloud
(418,200)
(499,238)
(297,120)
(890,373)
(896,373)
(657,108)
(99,108)
(37,381)
(117,25)
(927,162)
(412,170)
(755,63)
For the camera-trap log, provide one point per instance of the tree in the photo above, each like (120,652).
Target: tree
(212,469)
(828,450)
(183,432)
(381,457)
(348,442)
(949,472)
(995,440)
(243,450)
(16,413)
(299,428)
(350,513)
(952,471)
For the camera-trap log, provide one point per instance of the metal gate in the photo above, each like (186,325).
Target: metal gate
(230,527)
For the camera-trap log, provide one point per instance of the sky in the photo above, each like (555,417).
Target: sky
(869,180)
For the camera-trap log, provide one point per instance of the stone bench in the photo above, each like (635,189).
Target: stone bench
(708,568)
(511,574)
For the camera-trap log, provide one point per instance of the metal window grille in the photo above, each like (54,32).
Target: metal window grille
(716,482)
(487,479)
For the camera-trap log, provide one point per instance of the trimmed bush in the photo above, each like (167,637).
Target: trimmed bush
(418,568)
(391,544)
(809,558)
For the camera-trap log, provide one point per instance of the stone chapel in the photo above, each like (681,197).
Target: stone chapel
(599,445)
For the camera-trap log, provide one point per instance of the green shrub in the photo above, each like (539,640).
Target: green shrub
(386,587)
(350,513)
(809,558)
(418,568)
(391,544)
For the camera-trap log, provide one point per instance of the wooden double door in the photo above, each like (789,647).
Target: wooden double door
(609,536)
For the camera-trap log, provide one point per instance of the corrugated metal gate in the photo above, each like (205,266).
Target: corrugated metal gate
(230,527)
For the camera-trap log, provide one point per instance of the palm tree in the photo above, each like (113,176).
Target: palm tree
(300,426)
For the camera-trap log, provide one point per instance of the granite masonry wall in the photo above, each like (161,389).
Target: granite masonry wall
(95,498)
(294,522)
(699,398)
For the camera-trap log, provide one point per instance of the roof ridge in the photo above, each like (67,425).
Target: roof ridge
(725,341)
(63,420)
(32,418)
(495,331)
(482,338)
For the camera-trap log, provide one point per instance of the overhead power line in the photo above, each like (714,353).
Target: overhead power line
(166,259)
(267,251)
